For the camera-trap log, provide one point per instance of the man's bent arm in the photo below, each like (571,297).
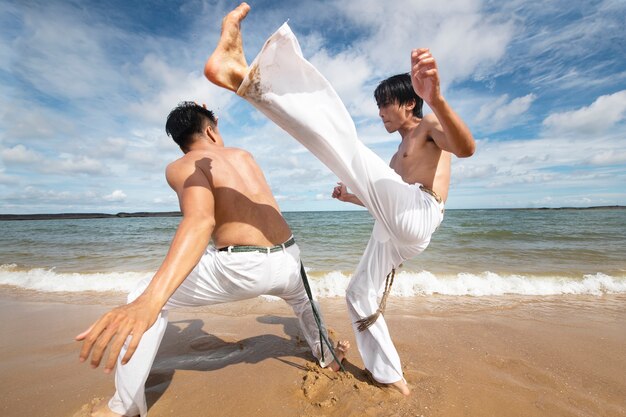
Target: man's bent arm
(340,192)
(453,135)
(191,238)
(189,243)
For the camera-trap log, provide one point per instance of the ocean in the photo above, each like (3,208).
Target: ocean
(474,253)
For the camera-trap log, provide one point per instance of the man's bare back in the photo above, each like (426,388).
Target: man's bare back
(223,195)
(245,210)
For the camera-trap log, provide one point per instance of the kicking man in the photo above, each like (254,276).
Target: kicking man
(406,199)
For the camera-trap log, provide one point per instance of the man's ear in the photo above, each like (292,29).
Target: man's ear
(211,132)
(410,105)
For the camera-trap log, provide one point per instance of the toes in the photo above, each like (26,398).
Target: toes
(343,346)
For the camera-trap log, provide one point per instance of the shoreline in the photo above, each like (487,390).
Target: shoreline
(73,216)
(510,356)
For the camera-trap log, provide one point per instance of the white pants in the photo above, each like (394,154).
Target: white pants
(219,277)
(292,93)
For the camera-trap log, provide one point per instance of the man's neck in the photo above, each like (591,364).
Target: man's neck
(206,144)
(407,127)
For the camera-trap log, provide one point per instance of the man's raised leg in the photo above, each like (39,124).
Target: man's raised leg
(284,86)
(227,67)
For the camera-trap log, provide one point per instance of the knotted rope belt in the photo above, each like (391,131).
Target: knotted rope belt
(371,319)
(431,192)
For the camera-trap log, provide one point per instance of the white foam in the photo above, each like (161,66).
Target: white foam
(47,280)
(411,284)
(334,284)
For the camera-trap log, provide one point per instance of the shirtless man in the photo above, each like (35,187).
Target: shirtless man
(406,199)
(223,195)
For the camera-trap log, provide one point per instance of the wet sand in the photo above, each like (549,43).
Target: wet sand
(463,356)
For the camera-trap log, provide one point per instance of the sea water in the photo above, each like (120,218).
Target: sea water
(473,253)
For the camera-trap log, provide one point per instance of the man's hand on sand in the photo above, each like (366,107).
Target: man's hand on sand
(113,328)
(424,75)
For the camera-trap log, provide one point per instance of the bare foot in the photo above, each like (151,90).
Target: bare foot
(340,351)
(101,409)
(401,386)
(227,66)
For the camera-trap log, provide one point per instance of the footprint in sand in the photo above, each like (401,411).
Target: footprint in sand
(85,410)
(316,385)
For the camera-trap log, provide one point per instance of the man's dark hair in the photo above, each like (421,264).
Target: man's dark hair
(398,89)
(187,119)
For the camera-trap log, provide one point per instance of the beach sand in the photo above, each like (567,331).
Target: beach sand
(463,356)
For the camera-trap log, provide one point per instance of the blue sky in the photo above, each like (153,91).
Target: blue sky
(85,87)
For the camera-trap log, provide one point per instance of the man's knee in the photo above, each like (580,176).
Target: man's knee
(299,304)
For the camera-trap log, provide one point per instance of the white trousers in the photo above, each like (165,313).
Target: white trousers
(219,277)
(292,93)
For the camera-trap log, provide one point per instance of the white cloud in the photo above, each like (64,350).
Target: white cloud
(372,132)
(597,118)
(113,147)
(547,32)
(461,37)
(7,179)
(608,157)
(115,196)
(502,113)
(462,172)
(551,161)
(74,164)
(25,120)
(169,199)
(165,86)
(35,195)
(65,164)
(62,55)
(347,72)
(86,94)
(19,154)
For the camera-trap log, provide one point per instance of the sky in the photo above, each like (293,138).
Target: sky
(85,87)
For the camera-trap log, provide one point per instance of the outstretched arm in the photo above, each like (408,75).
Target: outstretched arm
(340,192)
(452,135)
(190,241)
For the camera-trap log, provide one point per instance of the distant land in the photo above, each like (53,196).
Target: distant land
(178,214)
(87,215)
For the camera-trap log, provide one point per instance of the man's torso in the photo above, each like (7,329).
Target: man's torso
(419,160)
(246,212)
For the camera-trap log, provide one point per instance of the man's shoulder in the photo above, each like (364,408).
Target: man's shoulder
(237,151)
(430,120)
(185,162)
(428,123)
(177,163)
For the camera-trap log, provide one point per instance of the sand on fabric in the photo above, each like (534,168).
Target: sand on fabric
(463,356)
